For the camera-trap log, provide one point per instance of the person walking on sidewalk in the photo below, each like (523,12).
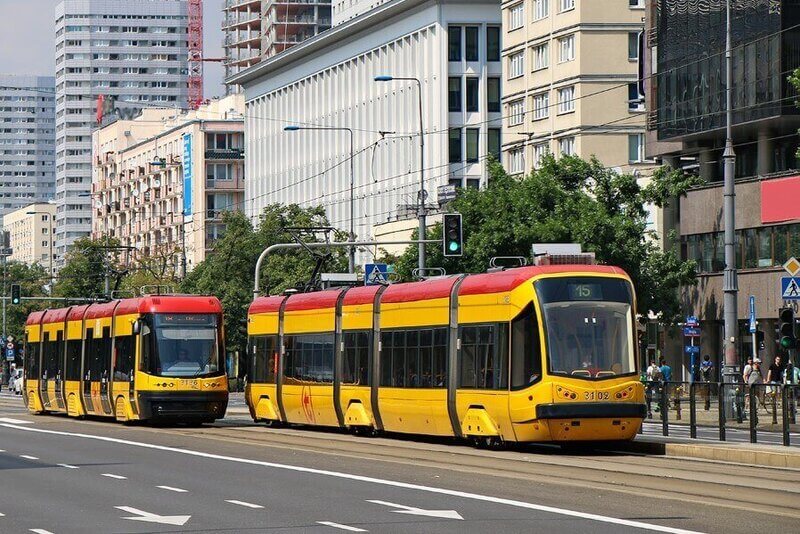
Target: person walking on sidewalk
(706,374)
(754,380)
(653,376)
(746,370)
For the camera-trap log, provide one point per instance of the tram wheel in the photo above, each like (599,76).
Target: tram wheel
(272,423)
(488,442)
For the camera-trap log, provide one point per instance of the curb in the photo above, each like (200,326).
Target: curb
(744,454)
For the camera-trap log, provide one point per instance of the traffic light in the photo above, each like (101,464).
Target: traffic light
(787,339)
(760,339)
(453,235)
(16,298)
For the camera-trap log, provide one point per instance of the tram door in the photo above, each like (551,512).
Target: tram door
(86,379)
(104,375)
(58,378)
(46,369)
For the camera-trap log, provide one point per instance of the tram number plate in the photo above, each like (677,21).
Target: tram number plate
(595,395)
(189,384)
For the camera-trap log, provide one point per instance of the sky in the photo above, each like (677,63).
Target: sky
(27,40)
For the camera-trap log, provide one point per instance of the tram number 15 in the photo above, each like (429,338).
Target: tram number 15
(595,395)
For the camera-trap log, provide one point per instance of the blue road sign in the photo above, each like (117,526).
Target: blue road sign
(10,355)
(752,314)
(692,321)
(375,274)
(693,349)
(691,331)
(790,287)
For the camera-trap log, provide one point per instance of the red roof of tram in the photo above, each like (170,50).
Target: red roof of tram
(76,312)
(148,304)
(360,295)
(424,290)
(313,301)
(266,305)
(502,281)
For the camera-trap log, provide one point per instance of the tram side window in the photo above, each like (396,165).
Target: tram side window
(357,349)
(32,360)
(309,358)
(124,349)
(414,358)
(526,359)
(50,363)
(73,370)
(264,350)
(88,355)
(105,352)
(483,360)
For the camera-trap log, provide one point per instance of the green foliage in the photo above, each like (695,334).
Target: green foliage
(83,274)
(228,272)
(32,281)
(569,200)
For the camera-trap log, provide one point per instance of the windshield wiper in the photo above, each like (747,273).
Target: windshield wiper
(207,362)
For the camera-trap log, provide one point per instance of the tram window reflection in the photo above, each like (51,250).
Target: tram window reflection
(414,358)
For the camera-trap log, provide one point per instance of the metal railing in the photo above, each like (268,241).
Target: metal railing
(749,411)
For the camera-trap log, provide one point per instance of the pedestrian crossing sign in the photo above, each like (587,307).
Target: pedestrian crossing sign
(790,288)
(375,274)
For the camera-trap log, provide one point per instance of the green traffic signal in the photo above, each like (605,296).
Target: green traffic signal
(16,296)
(786,329)
(453,246)
(453,234)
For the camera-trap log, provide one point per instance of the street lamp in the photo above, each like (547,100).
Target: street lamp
(351,263)
(421,209)
(50,239)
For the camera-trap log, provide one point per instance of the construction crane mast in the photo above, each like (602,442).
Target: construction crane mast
(195,81)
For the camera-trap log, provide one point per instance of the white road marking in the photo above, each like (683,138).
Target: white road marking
(40,531)
(69,466)
(27,457)
(118,477)
(15,421)
(247,504)
(170,488)
(147,517)
(361,478)
(341,526)
(444,514)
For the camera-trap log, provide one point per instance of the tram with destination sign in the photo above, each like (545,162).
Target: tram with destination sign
(529,354)
(154,357)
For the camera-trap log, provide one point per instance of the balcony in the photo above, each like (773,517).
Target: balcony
(225,153)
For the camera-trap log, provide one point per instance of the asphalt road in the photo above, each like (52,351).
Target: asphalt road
(66,476)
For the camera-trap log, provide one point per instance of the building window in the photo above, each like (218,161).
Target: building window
(638,4)
(565,5)
(493,43)
(493,141)
(541,56)
(472,145)
(454,43)
(566,48)
(566,99)
(633,46)
(636,148)
(493,95)
(540,150)
(515,65)
(472,94)
(566,145)
(541,106)
(471,42)
(454,94)
(516,161)
(516,112)
(635,101)
(455,145)
(516,16)
(541,9)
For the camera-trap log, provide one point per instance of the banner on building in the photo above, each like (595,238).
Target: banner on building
(187,174)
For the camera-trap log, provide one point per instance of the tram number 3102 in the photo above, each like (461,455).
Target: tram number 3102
(595,395)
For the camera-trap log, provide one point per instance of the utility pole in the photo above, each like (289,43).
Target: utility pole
(730,284)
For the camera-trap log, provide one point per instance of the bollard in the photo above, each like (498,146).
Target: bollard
(785,415)
(721,406)
(792,405)
(678,391)
(753,413)
(775,407)
(664,403)
(739,405)
(692,410)
(707,388)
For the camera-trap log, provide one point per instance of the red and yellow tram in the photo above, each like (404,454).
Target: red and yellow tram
(531,354)
(154,357)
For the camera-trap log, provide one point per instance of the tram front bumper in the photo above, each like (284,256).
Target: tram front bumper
(183,405)
(590,410)
(592,421)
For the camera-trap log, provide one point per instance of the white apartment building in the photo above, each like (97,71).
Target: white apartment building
(451,47)
(27,141)
(30,230)
(132,50)
(162,182)
(570,71)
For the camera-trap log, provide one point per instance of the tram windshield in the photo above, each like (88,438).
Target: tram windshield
(589,326)
(182,345)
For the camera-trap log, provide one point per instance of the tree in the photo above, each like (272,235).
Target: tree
(86,264)
(158,270)
(570,200)
(228,272)
(32,280)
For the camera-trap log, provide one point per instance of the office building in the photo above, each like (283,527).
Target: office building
(329,81)
(27,141)
(685,59)
(162,182)
(134,53)
(30,229)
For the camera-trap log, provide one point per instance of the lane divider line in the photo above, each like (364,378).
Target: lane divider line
(341,526)
(170,488)
(360,478)
(245,504)
(40,531)
(69,466)
(118,477)
(28,457)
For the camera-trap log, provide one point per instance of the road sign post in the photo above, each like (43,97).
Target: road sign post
(691,329)
(753,325)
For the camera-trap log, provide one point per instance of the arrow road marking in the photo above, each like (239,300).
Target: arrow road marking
(147,517)
(341,526)
(410,510)
(247,504)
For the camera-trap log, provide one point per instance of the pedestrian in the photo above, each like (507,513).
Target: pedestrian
(653,372)
(653,375)
(666,371)
(775,372)
(706,374)
(754,380)
(746,370)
